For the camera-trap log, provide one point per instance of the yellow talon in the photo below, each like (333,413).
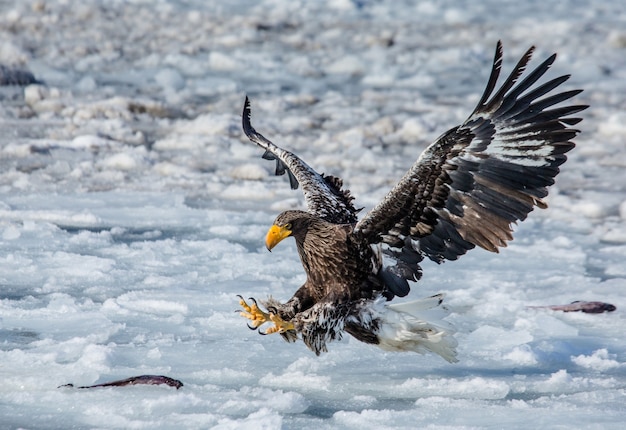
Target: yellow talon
(259,317)
(254,313)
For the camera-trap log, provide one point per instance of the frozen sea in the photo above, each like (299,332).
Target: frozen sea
(133,211)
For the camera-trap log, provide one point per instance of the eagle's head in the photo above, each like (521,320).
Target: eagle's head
(288,223)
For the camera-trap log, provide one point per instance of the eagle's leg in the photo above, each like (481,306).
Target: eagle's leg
(259,317)
(280,325)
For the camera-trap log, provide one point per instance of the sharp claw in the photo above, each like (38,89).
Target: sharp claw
(259,317)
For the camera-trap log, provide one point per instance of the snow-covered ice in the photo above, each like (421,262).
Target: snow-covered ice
(132,211)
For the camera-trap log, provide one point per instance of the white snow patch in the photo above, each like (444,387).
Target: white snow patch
(170,79)
(249,171)
(614,125)
(476,388)
(599,360)
(349,65)
(223,62)
(121,161)
(140,302)
(297,380)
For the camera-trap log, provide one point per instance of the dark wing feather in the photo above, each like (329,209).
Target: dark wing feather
(323,195)
(468,187)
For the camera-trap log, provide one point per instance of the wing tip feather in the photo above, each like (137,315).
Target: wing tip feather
(246,119)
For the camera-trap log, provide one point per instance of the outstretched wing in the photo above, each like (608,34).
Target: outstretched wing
(323,195)
(476,180)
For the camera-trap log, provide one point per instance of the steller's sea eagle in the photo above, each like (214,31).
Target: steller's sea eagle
(465,190)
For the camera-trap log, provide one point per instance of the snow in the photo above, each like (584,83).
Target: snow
(132,212)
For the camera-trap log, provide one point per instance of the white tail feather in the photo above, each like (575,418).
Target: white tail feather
(417,326)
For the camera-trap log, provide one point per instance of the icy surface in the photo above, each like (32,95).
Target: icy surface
(132,211)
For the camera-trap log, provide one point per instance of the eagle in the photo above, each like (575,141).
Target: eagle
(466,189)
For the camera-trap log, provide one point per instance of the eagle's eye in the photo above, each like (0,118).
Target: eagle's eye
(287,226)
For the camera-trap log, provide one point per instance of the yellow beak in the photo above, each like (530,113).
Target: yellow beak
(274,235)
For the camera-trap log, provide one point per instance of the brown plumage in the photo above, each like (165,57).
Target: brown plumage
(465,190)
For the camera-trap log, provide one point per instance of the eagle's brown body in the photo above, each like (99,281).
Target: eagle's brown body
(340,269)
